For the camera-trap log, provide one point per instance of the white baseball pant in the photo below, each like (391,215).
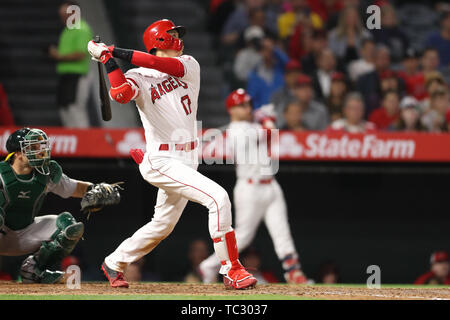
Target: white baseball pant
(29,239)
(178,181)
(255,202)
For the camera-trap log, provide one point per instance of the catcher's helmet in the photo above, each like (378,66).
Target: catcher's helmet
(13,142)
(34,144)
(237,97)
(156,36)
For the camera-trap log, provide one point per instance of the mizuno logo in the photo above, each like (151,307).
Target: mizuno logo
(24,195)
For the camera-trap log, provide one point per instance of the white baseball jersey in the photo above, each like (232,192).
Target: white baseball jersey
(248,144)
(168,105)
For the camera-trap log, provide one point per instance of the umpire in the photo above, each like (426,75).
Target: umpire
(72,66)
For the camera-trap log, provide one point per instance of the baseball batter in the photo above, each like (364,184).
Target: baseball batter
(257,195)
(165,89)
(26,176)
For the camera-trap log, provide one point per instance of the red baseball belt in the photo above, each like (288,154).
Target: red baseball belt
(188,146)
(262,181)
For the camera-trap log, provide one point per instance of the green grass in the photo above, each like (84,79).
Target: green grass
(151,297)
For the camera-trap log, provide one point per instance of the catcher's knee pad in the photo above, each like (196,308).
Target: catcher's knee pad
(74,231)
(62,242)
(64,220)
(68,228)
(68,238)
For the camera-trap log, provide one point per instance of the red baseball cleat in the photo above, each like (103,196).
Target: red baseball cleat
(295,276)
(115,278)
(239,278)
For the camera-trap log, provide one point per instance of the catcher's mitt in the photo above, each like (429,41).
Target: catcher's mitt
(99,195)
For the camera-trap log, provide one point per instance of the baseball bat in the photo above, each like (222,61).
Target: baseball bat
(105,105)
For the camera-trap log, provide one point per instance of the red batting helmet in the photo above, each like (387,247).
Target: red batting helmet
(156,36)
(237,97)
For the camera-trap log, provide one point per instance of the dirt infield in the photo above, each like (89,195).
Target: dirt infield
(268,291)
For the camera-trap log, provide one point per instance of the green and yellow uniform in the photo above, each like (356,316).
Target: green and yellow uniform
(22,196)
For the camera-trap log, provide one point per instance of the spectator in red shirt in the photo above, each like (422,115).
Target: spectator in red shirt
(388,113)
(353,120)
(299,44)
(6,117)
(413,77)
(439,271)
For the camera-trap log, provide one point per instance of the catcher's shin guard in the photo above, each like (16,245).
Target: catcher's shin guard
(62,242)
(30,274)
(234,274)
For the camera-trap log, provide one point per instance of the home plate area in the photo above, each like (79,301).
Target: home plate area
(11,290)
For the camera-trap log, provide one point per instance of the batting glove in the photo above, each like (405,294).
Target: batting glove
(98,51)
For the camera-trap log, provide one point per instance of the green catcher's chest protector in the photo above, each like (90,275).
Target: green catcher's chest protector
(20,199)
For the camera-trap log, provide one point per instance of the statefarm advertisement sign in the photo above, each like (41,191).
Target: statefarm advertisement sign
(326,146)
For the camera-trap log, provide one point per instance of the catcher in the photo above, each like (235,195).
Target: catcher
(26,176)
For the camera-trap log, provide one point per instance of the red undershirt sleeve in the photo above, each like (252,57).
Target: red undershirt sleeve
(171,66)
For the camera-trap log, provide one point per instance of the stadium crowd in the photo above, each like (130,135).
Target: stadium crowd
(322,68)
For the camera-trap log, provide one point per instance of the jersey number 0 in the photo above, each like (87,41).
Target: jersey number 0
(186,102)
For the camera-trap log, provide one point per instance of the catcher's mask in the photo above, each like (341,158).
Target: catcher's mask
(36,147)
